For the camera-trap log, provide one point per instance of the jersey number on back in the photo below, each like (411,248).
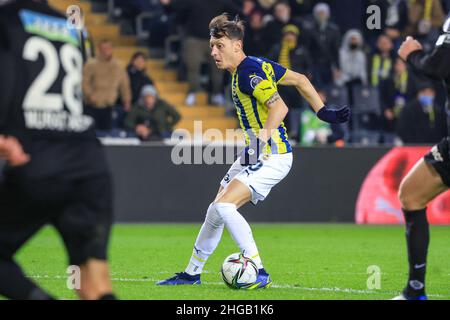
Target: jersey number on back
(37,97)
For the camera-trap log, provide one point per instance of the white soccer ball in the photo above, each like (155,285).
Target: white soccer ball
(239,272)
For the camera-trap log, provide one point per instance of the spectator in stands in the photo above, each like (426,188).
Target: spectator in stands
(426,18)
(293,55)
(345,13)
(197,14)
(152,118)
(323,41)
(282,17)
(395,93)
(301,8)
(248,7)
(138,75)
(267,5)
(254,43)
(104,81)
(423,120)
(352,60)
(382,60)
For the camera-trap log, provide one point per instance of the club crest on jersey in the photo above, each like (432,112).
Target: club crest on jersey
(255,80)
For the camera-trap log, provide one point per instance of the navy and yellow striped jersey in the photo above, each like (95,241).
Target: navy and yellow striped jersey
(253,83)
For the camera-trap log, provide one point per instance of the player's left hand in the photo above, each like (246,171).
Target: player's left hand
(334,116)
(11,150)
(250,155)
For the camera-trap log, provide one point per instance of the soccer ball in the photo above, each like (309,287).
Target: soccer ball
(239,272)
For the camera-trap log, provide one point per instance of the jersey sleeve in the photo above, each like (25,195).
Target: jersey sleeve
(435,64)
(258,81)
(279,70)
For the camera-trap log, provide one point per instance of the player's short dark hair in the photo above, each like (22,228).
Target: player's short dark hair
(221,26)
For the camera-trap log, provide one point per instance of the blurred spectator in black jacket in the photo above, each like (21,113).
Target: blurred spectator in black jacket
(395,92)
(345,13)
(301,8)
(324,40)
(423,120)
(394,20)
(254,43)
(282,17)
(382,60)
(196,15)
(293,55)
(446,6)
(138,75)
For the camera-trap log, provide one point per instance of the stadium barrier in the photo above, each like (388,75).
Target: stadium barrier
(323,186)
(353,184)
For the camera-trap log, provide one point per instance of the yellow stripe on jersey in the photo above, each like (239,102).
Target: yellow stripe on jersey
(253,112)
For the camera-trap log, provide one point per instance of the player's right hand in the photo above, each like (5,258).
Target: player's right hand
(408,46)
(11,150)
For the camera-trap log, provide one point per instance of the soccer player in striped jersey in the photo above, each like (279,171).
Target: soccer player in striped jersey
(267,157)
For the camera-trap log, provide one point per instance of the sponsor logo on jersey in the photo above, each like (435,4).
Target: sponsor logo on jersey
(50,27)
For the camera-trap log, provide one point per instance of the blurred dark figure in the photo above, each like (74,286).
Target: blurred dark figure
(282,17)
(446,6)
(423,120)
(395,93)
(382,60)
(254,43)
(301,8)
(324,39)
(345,13)
(138,75)
(294,56)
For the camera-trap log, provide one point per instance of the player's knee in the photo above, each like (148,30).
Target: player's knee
(408,199)
(213,217)
(224,208)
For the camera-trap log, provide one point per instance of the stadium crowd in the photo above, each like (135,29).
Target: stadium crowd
(331,42)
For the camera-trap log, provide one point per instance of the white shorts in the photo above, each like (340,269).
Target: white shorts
(262,177)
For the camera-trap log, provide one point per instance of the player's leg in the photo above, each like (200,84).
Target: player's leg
(206,243)
(15,285)
(422,184)
(16,227)
(85,227)
(233,197)
(95,281)
(207,239)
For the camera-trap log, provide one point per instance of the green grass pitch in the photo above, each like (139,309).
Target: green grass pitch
(306,261)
